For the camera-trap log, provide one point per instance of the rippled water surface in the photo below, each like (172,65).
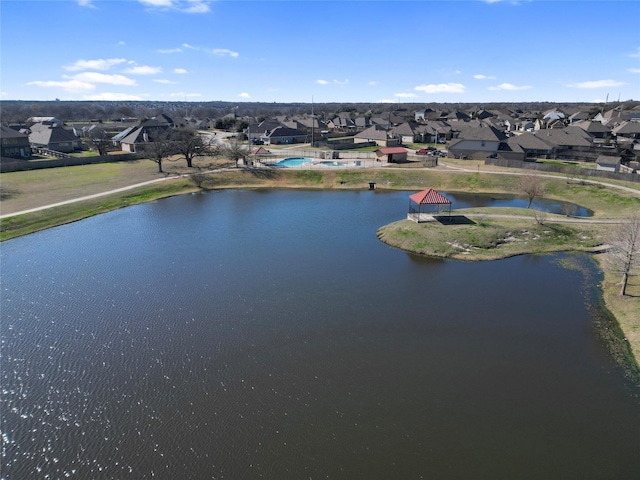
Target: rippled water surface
(269,334)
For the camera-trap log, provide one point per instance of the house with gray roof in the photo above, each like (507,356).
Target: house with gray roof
(406,132)
(14,144)
(532,145)
(54,137)
(627,130)
(284,135)
(378,135)
(594,129)
(479,142)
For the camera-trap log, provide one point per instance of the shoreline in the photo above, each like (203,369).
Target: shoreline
(603,202)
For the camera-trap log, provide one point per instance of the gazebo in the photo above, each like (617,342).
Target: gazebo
(428,197)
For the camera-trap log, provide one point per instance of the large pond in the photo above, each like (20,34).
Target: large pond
(269,334)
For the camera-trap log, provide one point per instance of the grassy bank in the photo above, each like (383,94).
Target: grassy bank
(32,222)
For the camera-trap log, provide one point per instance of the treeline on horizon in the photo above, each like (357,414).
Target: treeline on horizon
(18,111)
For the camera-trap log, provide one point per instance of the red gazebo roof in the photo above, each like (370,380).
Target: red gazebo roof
(429,196)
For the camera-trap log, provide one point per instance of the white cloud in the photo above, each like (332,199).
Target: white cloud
(509,86)
(483,77)
(636,54)
(441,88)
(86,3)
(164,81)
(597,84)
(405,95)
(96,77)
(196,6)
(224,52)
(99,64)
(157,3)
(180,71)
(112,96)
(634,70)
(373,83)
(169,50)
(244,95)
(333,82)
(186,45)
(121,43)
(69,85)
(186,6)
(143,70)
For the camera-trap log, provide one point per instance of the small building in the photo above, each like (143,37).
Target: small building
(391,154)
(608,163)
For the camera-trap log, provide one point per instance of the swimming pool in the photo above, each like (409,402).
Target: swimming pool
(293,162)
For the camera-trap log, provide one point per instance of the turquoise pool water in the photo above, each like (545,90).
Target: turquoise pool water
(293,162)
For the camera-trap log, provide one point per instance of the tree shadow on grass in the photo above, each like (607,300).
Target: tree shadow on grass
(263,173)
(7,193)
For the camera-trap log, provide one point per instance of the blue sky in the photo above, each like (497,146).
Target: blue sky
(331,51)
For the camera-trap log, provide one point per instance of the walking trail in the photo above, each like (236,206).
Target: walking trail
(450,167)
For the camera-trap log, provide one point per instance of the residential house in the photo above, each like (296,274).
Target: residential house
(53,137)
(478,142)
(421,115)
(342,124)
(627,132)
(567,142)
(132,139)
(594,129)
(284,135)
(14,144)
(45,121)
(378,135)
(532,145)
(406,132)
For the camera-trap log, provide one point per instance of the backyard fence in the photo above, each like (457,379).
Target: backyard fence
(568,170)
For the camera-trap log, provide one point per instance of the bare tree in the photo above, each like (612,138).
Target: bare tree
(540,216)
(99,139)
(235,151)
(624,256)
(159,148)
(532,186)
(190,144)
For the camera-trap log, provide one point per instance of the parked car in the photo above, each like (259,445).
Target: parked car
(425,151)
